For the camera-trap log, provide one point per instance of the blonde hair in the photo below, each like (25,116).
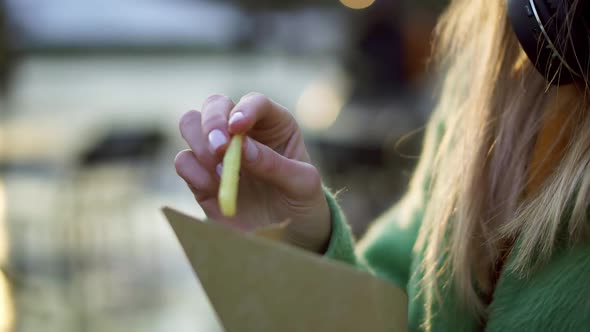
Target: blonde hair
(493,104)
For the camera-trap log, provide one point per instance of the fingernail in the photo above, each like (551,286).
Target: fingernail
(219,169)
(251,150)
(236,117)
(217,139)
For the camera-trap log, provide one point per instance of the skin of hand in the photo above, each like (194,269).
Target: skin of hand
(277,180)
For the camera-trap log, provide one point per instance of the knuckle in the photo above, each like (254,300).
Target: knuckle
(314,177)
(217,98)
(257,98)
(181,160)
(202,152)
(198,181)
(313,180)
(270,165)
(188,120)
(214,120)
(252,94)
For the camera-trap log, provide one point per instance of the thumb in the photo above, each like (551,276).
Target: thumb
(295,177)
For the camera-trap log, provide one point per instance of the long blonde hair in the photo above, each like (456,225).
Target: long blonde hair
(493,104)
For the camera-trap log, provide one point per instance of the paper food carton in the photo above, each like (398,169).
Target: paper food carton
(256,284)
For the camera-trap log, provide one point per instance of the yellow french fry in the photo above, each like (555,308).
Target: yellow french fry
(230,177)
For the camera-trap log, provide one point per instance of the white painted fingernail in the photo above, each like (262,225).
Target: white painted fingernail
(251,150)
(217,139)
(237,116)
(219,169)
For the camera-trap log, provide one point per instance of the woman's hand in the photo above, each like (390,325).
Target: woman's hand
(277,180)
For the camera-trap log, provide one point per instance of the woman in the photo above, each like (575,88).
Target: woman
(493,231)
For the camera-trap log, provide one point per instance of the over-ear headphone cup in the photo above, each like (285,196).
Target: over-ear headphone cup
(556,42)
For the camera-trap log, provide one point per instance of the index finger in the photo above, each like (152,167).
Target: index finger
(258,110)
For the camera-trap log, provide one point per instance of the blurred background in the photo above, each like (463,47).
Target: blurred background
(91,92)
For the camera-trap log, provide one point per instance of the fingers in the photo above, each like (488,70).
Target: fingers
(206,131)
(214,121)
(192,132)
(202,182)
(295,177)
(257,109)
(278,160)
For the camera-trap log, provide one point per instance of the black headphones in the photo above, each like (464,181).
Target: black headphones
(554,40)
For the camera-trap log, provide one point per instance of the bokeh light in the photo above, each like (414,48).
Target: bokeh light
(357,4)
(319,105)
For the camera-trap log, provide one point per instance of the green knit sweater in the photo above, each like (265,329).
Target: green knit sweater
(554,298)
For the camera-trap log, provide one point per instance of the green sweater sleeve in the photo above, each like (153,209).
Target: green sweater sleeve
(387,248)
(342,244)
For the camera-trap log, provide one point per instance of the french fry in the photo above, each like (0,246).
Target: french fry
(230,176)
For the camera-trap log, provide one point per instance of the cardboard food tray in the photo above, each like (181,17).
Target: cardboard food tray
(260,285)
